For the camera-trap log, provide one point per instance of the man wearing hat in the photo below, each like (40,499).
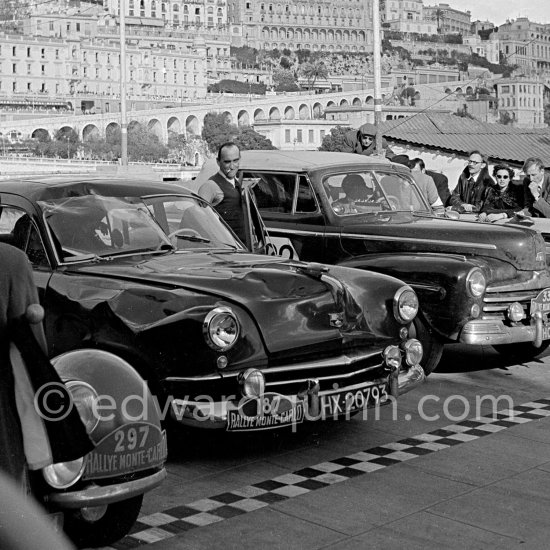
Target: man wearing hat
(362,142)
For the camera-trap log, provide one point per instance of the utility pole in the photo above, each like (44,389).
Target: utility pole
(377,75)
(123,121)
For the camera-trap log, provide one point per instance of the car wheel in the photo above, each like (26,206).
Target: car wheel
(112,526)
(521,351)
(431,343)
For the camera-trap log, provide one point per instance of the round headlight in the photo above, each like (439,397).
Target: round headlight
(413,352)
(84,398)
(221,328)
(392,357)
(64,474)
(405,304)
(252,382)
(476,282)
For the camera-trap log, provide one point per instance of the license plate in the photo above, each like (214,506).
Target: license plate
(269,411)
(353,399)
(541,302)
(131,448)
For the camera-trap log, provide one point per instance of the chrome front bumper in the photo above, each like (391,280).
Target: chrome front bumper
(488,332)
(214,415)
(96,495)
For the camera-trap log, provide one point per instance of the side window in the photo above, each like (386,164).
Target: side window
(273,192)
(17,229)
(305,201)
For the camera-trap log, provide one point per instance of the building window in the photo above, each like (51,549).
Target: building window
(14,68)
(28,68)
(311,138)
(299,136)
(287,134)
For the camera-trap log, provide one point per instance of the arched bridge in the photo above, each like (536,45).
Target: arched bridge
(189,119)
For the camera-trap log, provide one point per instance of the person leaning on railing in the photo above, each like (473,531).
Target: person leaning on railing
(504,199)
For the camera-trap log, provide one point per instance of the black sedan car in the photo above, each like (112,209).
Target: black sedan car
(148,272)
(477,283)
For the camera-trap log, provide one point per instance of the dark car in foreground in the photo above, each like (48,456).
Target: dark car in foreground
(149,273)
(477,283)
(97,497)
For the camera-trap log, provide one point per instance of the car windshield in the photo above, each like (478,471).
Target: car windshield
(101,226)
(191,223)
(373,192)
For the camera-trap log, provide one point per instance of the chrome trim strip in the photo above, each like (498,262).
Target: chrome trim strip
(333,377)
(99,496)
(276,230)
(341,361)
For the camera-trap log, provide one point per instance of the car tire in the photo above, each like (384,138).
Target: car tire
(522,351)
(115,524)
(431,343)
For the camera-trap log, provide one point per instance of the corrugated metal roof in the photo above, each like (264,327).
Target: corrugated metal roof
(452,133)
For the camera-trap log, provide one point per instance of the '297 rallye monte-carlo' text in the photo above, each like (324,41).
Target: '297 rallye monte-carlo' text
(225,338)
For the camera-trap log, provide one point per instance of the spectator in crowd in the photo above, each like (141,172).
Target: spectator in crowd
(362,142)
(504,199)
(222,190)
(536,188)
(425,182)
(473,184)
(442,184)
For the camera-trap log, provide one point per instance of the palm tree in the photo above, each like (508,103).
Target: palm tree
(312,71)
(439,16)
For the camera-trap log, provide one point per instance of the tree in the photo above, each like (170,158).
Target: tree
(245,55)
(217,130)
(66,143)
(439,16)
(248,139)
(285,63)
(285,80)
(312,71)
(335,140)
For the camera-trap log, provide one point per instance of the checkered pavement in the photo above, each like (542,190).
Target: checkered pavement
(169,523)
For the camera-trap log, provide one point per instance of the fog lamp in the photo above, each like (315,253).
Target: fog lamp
(64,474)
(475,310)
(252,383)
(413,352)
(515,312)
(84,399)
(93,513)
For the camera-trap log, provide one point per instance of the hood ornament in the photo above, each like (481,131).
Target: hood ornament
(336,319)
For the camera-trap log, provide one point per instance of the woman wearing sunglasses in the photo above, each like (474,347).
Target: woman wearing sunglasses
(503,199)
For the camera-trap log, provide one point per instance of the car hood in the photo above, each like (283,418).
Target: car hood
(404,232)
(307,301)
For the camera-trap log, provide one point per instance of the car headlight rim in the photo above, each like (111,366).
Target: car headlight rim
(221,328)
(405,305)
(476,283)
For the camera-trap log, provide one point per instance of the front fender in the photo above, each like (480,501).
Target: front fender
(439,281)
(123,395)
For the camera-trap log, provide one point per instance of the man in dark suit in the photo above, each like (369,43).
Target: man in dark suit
(473,183)
(222,189)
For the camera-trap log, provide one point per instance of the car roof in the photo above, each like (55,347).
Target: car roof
(52,187)
(290,161)
(303,160)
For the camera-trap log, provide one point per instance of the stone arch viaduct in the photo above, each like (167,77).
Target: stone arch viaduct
(189,119)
